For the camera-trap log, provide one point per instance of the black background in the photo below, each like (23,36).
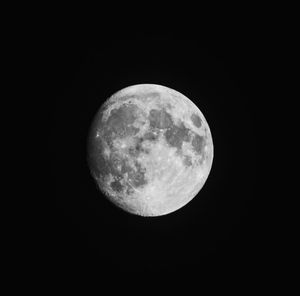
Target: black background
(219,227)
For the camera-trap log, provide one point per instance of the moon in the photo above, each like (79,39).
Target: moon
(150,150)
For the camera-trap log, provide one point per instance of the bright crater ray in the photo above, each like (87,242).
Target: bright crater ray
(150,149)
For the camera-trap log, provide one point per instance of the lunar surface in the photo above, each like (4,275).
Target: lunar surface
(150,149)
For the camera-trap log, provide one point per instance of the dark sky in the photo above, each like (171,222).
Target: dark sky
(219,227)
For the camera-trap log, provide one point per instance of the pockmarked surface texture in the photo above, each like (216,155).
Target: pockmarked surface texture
(150,149)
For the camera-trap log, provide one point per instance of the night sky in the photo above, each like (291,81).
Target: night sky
(218,228)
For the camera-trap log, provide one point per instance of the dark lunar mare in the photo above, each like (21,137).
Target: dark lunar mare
(176,135)
(196,120)
(116,185)
(119,125)
(160,119)
(187,160)
(198,143)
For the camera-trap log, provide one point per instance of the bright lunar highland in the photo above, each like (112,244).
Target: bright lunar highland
(150,149)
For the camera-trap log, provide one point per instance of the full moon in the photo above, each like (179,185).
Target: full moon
(150,150)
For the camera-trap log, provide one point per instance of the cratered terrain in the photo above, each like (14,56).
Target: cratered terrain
(150,149)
